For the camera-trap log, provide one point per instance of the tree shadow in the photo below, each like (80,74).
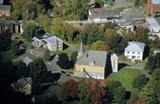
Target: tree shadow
(54,76)
(121,65)
(146,52)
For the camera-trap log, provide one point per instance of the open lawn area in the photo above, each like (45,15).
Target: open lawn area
(126,77)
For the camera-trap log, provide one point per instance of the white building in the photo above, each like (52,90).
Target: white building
(153,25)
(52,43)
(114,62)
(134,50)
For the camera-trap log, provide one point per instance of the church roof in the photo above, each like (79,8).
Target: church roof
(98,57)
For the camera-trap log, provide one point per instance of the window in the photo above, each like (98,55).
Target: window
(133,52)
(138,52)
(127,51)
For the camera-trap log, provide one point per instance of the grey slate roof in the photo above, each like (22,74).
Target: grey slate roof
(103,13)
(135,46)
(4,21)
(1,1)
(99,57)
(5,7)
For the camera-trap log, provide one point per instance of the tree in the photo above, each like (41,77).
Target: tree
(70,90)
(63,61)
(5,40)
(21,70)
(100,45)
(150,93)
(153,62)
(15,47)
(47,54)
(38,69)
(140,81)
(116,92)
(29,29)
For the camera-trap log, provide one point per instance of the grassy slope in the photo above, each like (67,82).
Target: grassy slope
(126,77)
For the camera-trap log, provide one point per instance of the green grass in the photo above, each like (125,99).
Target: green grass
(126,77)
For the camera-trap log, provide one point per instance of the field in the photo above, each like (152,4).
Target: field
(126,77)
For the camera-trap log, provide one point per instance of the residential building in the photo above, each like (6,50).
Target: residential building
(102,15)
(134,50)
(108,3)
(27,60)
(52,43)
(5,10)
(23,85)
(91,64)
(153,7)
(126,24)
(11,25)
(153,26)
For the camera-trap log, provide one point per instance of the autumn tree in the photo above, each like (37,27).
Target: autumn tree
(100,45)
(70,90)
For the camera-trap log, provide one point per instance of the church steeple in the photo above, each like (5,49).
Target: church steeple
(81,50)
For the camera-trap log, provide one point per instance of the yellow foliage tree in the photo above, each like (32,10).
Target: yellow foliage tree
(100,45)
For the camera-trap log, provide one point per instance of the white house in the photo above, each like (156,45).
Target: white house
(102,15)
(134,50)
(153,25)
(52,43)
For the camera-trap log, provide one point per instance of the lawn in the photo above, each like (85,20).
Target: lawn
(126,77)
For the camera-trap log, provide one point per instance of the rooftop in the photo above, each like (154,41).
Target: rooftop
(156,1)
(135,46)
(152,22)
(103,12)
(52,40)
(5,7)
(4,21)
(27,60)
(99,58)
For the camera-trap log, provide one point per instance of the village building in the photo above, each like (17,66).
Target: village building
(102,15)
(126,24)
(108,3)
(134,50)
(23,85)
(5,10)
(153,26)
(11,25)
(153,7)
(52,43)
(91,65)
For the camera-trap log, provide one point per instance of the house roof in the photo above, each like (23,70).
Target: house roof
(5,7)
(156,1)
(22,82)
(27,60)
(52,40)
(4,21)
(98,57)
(103,13)
(135,46)
(108,1)
(152,22)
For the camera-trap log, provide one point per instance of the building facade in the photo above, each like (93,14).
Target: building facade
(91,65)
(5,10)
(134,51)
(153,7)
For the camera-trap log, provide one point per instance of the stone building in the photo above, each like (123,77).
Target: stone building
(153,7)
